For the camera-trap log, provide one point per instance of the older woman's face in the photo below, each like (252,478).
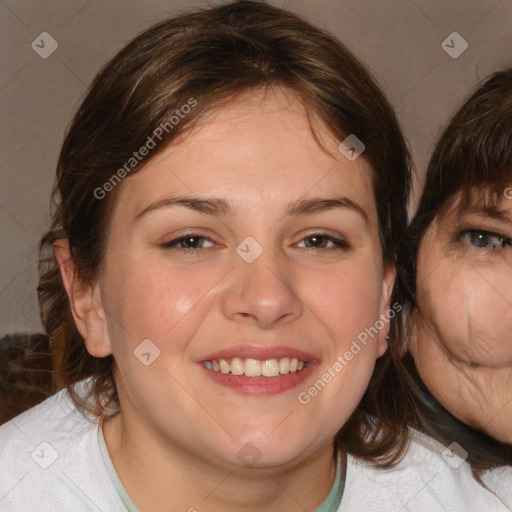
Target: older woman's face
(462,331)
(245,249)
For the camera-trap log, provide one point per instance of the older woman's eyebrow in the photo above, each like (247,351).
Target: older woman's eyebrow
(492,212)
(219,206)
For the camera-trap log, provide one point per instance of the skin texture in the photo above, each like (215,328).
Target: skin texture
(462,331)
(177,425)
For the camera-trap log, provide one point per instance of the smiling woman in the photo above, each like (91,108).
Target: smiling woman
(229,272)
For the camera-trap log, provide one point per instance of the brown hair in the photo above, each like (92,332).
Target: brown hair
(470,166)
(208,56)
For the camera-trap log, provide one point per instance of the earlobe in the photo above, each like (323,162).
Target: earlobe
(383,343)
(85,302)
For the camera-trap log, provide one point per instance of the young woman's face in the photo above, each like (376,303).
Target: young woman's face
(272,262)
(462,333)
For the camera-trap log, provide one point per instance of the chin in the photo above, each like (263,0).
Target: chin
(263,453)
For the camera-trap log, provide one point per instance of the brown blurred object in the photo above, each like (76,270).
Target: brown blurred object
(25,373)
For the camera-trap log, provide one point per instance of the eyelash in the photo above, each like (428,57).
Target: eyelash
(504,240)
(172,244)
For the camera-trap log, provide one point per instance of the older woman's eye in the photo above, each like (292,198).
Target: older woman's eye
(484,239)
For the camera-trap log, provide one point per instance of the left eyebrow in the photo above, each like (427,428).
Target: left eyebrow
(319,205)
(491,212)
(219,206)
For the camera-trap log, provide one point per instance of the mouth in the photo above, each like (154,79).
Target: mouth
(259,371)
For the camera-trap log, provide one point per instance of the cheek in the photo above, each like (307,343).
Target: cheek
(347,299)
(470,315)
(149,302)
(490,317)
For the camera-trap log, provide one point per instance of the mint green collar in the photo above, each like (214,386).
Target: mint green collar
(330,504)
(333,500)
(127,502)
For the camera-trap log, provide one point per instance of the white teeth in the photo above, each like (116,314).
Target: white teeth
(284,365)
(224,367)
(270,368)
(255,368)
(252,368)
(237,366)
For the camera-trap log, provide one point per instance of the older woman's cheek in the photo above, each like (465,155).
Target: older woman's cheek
(444,307)
(471,319)
(487,301)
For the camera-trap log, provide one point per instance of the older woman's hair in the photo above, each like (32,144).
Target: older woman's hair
(158,87)
(471,167)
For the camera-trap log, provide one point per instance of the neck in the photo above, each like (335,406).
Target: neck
(159,475)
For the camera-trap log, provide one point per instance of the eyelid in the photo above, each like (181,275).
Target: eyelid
(187,234)
(460,229)
(483,225)
(333,237)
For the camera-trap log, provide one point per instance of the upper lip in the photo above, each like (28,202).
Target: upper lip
(259,352)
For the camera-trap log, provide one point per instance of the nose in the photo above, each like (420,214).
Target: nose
(262,292)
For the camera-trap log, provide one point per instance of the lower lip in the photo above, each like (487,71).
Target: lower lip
(261,385)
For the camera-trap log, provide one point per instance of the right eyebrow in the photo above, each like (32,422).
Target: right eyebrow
(491,212)
(219,206)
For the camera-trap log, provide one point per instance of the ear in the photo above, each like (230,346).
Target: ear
(388,283)
(85,301)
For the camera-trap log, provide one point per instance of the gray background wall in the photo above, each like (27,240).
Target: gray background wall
(400,41)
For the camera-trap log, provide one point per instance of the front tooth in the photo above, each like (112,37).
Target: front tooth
(293,364)
(252,368)
(224,367)
(284,365)
(300,366)
(237,366)
(270,368)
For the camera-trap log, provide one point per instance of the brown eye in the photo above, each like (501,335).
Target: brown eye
(319,240)
(188,242)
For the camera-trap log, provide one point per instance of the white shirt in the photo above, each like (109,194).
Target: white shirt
(499,480)
(51,461)
(429,478)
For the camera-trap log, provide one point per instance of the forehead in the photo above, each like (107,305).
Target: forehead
(258,148)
